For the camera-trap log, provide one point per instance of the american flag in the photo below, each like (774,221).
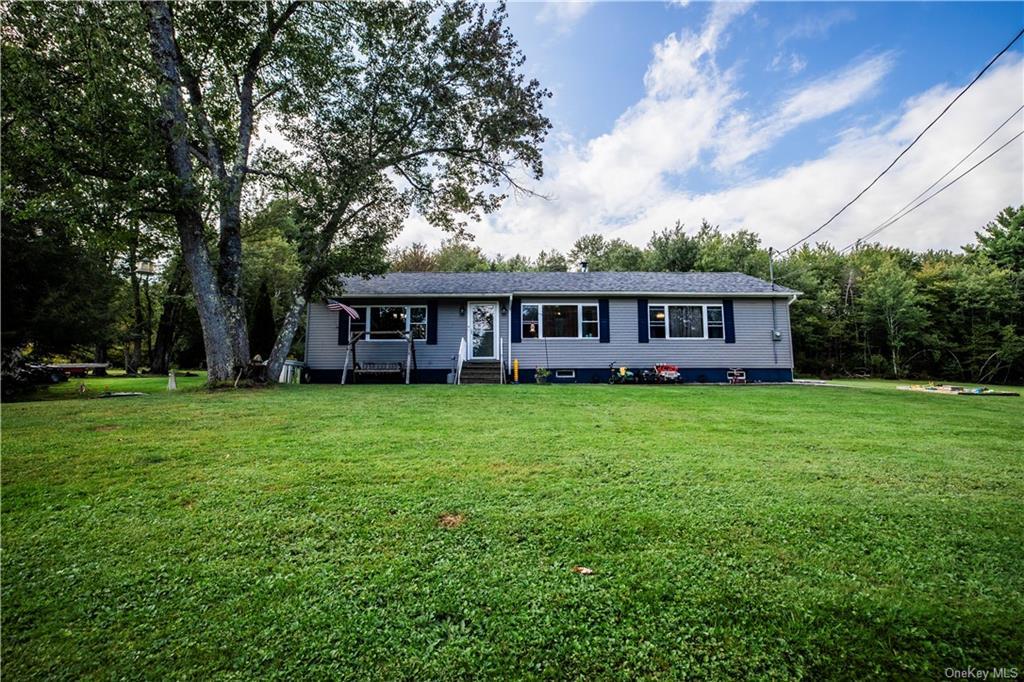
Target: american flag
(339,307)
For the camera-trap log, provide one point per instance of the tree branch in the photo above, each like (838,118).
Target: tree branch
(214,157)
(284,177)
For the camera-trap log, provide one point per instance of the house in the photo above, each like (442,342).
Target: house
(575,324)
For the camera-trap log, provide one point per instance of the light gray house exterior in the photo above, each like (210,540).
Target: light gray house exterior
(576,324)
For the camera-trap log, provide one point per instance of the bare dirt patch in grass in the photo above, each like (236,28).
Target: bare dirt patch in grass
(451,520)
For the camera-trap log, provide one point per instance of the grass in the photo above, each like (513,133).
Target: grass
(116,381)
(895,383)
(430,532)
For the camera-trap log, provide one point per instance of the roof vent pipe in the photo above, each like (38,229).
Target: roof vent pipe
(583,266)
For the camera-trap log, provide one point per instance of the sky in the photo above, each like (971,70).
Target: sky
(764,116)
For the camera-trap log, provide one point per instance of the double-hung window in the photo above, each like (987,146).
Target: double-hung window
(685,321)
(560,321)
(389,322)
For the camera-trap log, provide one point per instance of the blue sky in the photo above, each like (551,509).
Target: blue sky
(767,116)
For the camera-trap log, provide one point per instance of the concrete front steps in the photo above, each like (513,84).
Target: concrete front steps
(481,372)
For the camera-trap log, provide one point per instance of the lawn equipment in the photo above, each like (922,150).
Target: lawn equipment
(621,375)
(667,373)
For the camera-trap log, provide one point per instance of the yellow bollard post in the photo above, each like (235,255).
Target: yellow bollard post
(515,371)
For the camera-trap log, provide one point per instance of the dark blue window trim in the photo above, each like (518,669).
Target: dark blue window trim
(517,320)
(641,321)
(602,320)
(730,324)
(432,322)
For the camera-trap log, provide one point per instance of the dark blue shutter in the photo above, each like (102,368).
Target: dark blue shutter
(641,321)
(432,323)
(727,318)
(342,328)
(602,320)
(517,320)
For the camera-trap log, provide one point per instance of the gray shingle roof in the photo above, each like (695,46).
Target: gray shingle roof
(474,283)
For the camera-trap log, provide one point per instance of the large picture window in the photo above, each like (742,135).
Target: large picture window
(382,322)
(560,321)
(685,321)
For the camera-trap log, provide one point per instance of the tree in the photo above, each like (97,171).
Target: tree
(602,254)
(174,294)
(81,200)
(891,299)
(436,118)
(58,293)
(551,261)
(672,250)
(516,263)
(1002,240)
(395,107)
(416,257)
(738,251)
(458,255)
(821,317)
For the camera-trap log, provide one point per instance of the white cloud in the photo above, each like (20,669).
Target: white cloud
(627,182)
(742,137)
(815,25)
(563,14)
(791,62)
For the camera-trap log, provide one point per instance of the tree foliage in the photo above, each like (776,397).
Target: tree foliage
(379,109)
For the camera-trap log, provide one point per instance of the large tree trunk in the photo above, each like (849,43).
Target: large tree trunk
(170,318)
(221,358)
(286,336)
(229,270)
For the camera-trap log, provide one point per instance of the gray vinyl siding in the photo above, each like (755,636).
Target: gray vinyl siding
(323,351)
(754,347)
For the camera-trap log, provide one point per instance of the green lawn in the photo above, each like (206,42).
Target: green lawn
(894,383)
(734,533)
(115,382)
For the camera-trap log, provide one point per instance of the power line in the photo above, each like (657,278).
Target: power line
(906,149)
(899,216)
(956,165)
(924,201)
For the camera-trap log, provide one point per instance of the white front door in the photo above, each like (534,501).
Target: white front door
(483,331)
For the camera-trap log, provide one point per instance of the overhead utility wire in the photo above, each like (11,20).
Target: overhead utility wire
(949,184)
(905,150)
(898,216)
(957,165)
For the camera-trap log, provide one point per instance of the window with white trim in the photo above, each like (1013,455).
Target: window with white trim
(390,319)
(685,321)
(560,321)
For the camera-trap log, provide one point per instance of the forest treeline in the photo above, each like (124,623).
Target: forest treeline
(872,311)
(151,225)
(869,311)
